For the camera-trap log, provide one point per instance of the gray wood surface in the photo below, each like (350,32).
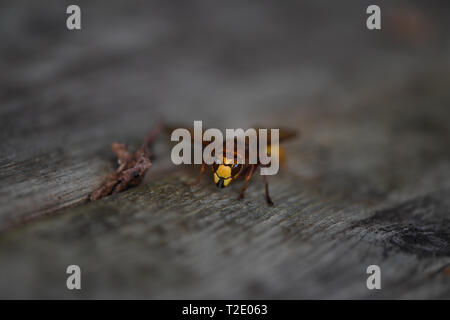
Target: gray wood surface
(367,183)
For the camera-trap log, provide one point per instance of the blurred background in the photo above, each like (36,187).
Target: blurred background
(371,169)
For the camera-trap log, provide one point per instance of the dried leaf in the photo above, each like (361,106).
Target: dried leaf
(132,167)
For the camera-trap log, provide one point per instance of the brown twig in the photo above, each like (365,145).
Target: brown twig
(132,166)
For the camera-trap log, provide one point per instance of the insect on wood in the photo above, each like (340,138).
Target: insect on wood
(231,164)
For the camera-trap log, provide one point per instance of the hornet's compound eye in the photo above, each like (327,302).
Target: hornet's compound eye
(236,169)
(216,164)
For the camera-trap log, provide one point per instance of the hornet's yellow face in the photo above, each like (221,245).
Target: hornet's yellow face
(226,172)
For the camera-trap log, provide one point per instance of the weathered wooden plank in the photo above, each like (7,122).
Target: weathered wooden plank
(368,182)
(340,206)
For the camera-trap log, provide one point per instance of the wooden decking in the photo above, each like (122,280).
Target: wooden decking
(367,183)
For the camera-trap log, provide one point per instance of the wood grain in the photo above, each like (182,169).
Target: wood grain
(367,183)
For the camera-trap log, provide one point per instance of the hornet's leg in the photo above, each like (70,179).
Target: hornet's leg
(266,184)
(247,179)
(199,179)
